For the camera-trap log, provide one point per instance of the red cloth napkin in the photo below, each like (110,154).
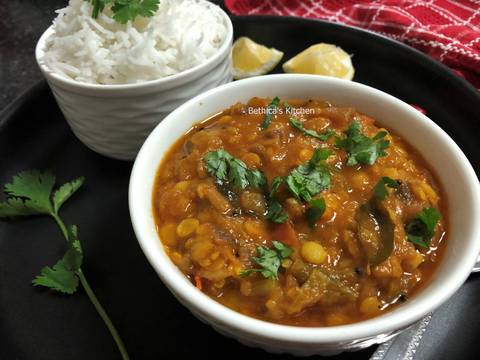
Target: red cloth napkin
(447,30)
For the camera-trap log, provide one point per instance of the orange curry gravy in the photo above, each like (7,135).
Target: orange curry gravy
(212,233)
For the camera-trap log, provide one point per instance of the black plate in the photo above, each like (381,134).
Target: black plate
(37,324)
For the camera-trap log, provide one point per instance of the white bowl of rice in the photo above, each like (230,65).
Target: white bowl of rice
(115,82)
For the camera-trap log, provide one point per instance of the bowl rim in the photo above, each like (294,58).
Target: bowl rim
(397,319)
(164,82)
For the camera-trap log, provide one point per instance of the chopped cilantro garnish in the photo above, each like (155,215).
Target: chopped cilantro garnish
(269,260)
(227,169)
(297,124)
(422,228)
(125,10)
(275,212)
(360,148)
(310,178)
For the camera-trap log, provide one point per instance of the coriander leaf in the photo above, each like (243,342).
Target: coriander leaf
(380,189)
(269,260)
(320,155)
(237,174)
(148,7)
(217,163)
(270,111)
(227,169)
(297,124)
(422,228)
(360,148)
(315,211)
(275,212)
(276,182)
(65,192)
(255,178)
(310,178)
(58,278)
(128,10)
(35,188)
(125,10)
(430,217)
(63,276)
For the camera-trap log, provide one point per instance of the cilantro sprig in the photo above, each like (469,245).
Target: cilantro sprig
(310,178)
(32,193)
(422,228)
(227,169)
(234,173)
(269,260)
(360,148)
(304,182)
(125,10)
(297,124)
(63,277)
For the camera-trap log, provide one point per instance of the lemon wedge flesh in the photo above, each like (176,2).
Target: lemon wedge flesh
(322,59)
(252,59)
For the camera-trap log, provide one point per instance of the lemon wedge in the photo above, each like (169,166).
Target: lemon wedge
(252,59)
(322,59)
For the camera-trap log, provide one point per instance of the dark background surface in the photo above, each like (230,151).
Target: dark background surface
(21,24)
(36,324)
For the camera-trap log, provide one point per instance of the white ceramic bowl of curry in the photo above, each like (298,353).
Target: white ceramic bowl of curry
(444,157)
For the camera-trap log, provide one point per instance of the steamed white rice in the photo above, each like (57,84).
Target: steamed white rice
(181,35)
